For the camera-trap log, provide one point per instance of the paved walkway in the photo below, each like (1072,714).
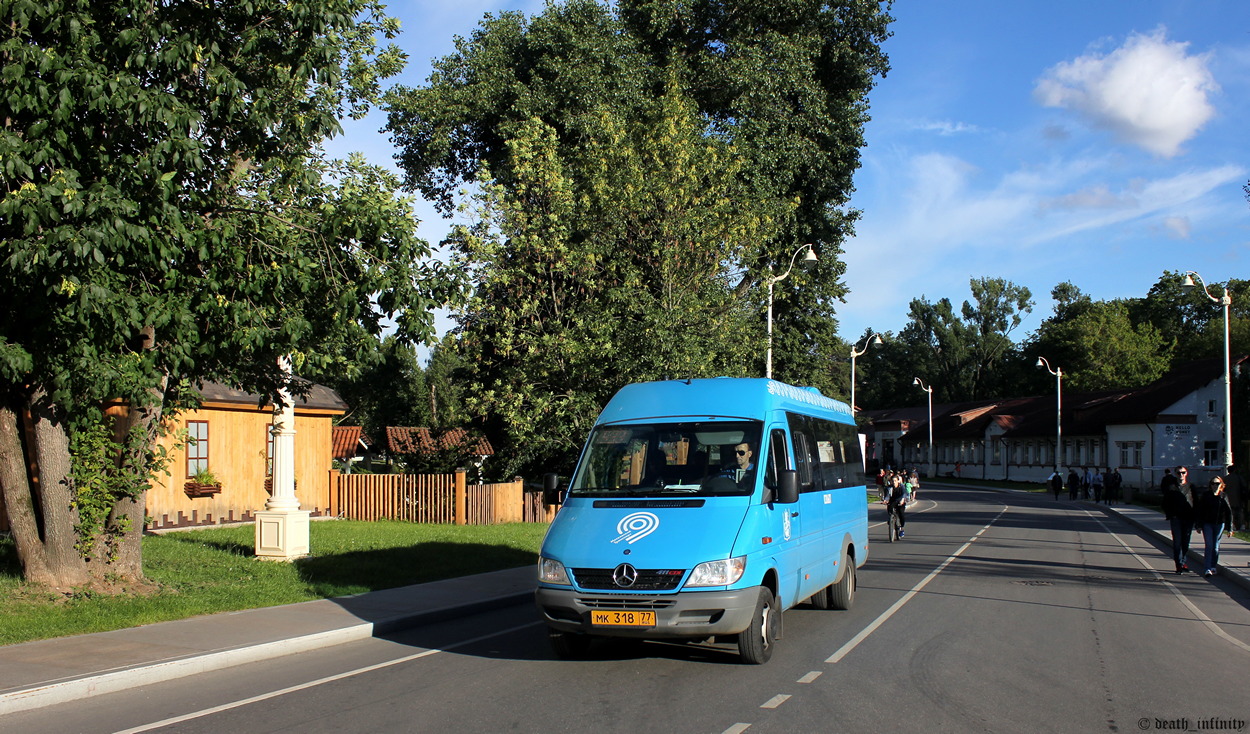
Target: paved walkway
(48,672)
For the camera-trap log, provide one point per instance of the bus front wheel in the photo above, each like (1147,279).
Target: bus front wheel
(756,643)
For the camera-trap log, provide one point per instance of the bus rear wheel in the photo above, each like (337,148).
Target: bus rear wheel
(842,593)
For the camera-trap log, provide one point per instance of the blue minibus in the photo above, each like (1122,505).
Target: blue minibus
(701,510)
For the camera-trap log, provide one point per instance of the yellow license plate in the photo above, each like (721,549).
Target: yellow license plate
(622,619)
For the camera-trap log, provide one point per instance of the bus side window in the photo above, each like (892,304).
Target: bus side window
(778,460)
(803,461)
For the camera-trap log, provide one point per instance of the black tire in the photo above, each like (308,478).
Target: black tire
(569,645)
(891,524)
(842,592)
(756,643)
(820,599)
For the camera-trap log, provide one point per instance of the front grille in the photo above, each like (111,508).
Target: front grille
(625,603)
(660,579)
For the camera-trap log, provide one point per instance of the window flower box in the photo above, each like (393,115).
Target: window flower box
(196,489)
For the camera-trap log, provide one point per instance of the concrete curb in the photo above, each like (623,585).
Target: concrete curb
(124,678)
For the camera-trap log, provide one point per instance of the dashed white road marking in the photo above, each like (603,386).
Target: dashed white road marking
(810,677)
(776,701)
(737,729)
(864,633)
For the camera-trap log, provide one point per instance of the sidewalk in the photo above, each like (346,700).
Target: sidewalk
(48,672)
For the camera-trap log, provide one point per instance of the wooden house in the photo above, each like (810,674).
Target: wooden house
(229,435)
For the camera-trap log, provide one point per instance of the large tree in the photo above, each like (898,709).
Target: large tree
(961,353)
(644,168)
(166,217)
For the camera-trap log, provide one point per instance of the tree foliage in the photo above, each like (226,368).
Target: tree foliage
(1100,345)
(166,217)
(960,354)
(642,169)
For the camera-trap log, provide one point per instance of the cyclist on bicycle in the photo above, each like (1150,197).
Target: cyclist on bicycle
(896,502)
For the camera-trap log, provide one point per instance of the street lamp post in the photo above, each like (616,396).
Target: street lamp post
(1058,373)
(928,389)
(808,260)
(1225,301)
(873,339)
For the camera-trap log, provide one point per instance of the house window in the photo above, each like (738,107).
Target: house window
(1211,453)
(1211,407)
(996,456)
(197,447)
(1130,452)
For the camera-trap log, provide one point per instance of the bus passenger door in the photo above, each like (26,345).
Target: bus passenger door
(785,521)
(814,574)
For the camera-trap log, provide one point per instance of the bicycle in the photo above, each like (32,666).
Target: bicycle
(892,524)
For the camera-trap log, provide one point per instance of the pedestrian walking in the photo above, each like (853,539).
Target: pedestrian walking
(1056,483)
(1074,483)
(1115,482)
(1178,508)
(1212,515)
(1098,484)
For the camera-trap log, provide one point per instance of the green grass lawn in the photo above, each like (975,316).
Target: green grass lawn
(215,570)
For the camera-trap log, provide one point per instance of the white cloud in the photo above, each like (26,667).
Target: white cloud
(1149,92)
(1177,227)
(1097,197)
(946,127)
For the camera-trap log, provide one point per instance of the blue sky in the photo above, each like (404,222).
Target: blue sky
(1099,142)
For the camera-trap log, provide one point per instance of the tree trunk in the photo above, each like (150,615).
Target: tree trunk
(15,487)
(131,511)
(49,557)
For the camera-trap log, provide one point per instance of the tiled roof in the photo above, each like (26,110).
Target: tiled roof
(347,441)
(405,440)
(1084,414)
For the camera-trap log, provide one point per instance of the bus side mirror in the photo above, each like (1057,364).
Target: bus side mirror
(551,489)
(788,487)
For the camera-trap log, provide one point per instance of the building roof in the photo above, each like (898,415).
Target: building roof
(1084,414)
(348,440)
(406,440)
(319,397)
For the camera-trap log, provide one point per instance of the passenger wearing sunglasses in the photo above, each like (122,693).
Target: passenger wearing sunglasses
(1178,508)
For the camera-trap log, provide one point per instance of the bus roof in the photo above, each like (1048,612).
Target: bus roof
(720,397)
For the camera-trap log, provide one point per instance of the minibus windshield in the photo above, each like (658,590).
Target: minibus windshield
(712,458)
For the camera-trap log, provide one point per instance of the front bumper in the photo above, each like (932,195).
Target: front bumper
(688,614)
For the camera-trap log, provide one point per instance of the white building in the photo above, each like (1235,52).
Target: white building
(1179,419)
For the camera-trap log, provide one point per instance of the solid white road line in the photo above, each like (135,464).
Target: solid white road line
(318,682)
(1198,613)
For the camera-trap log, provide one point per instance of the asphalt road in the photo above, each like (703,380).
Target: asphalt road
(997,613)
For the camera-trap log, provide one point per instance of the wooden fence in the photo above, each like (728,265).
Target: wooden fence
(434,498)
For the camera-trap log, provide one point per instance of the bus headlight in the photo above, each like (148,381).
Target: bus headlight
(718,573)
(551,571)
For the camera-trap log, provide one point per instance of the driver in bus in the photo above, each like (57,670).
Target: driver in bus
(744,465)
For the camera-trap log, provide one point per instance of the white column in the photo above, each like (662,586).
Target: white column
(282,527)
